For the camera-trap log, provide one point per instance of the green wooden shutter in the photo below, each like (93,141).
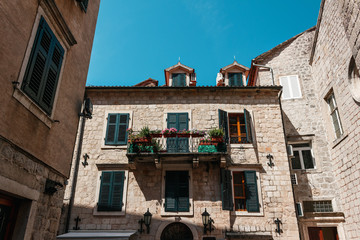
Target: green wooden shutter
(105,191)
(235,79)
(43,70)
(171,143)
(183,191)
(226,189)
(252,200)
(247,117)
(171,188)
(123,124)
(223,123)
(117,191)
(182,123)
(112,128)
(178,79)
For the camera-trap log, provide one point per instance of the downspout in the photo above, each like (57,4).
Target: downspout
(76,171)
(292,187)
(271,70)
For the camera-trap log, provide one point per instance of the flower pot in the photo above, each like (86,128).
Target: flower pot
(169,135)
(156,135)
(196,135)
(143,140)
(183,135)
(217,139)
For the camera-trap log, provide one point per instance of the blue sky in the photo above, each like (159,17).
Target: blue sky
(138,39)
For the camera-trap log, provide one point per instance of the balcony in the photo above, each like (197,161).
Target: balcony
(175,148)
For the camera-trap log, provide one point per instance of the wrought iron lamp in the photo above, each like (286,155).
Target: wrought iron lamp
(147,221)
(270,157)
(207,220)
(278,227)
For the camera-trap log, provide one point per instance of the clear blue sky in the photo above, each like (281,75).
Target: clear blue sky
(138,39)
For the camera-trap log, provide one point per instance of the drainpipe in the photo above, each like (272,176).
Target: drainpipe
(271,70)
(76,171)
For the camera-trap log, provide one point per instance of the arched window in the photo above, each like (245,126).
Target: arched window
(354,79)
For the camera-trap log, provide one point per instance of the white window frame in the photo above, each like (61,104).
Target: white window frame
(331,97)
(124,199)
(105,121)
(291,86)
(246,213)
(300,149)
(295,177)
(177,167)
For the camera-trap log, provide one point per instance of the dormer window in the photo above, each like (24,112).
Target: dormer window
(179,80)
(235,79)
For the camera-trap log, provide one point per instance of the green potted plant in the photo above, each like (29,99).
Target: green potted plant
(144,135)
(156,133)
(197,133)
(184,133)
(216,135)
(169,132)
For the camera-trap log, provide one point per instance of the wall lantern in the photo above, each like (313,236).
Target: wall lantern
(147,221)
(278,227)
(51,186)
(207,220)
(270,163)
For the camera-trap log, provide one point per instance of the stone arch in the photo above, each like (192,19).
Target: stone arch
(164,225)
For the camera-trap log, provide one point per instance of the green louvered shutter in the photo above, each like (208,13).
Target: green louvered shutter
(117,125)
(123,123)
(178,79)
(183,191)
(111,129)
(105,191)
(223,123)
(171,188)
(235,79)
(117,191)
(252,199)
(171,143)
(247,117)
(226,189)
(43,70)
(182,123)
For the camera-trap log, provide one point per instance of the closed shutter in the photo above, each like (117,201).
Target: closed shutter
(226,190)
(247,117)
(177,191)
(223,123)
(235,79)
(43,70)
(178,79)
(117,125)
(252,200)
(111,191)
(180,121)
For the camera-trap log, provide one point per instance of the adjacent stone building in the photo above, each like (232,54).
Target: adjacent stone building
(244,183)
(45,48)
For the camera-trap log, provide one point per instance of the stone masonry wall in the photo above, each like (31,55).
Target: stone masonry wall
(46,210)
(144,184)
(330,71)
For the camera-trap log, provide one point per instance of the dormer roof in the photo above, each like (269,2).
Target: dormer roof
(235,64)
(181,66)
(148,83)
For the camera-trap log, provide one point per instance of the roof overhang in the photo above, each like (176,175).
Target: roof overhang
(235,64)
(97,234)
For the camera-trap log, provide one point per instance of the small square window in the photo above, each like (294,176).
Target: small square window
(318,206)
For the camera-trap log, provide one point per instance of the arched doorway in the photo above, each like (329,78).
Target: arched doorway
(176,231)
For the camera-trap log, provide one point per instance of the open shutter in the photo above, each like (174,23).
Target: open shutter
(182,123)
(123,125)
(171,143)
(183,191)
(223,123)
(247,117)
(117,191)
(111,129)
(105,191)
(252,200)
(171,189)
(226,190)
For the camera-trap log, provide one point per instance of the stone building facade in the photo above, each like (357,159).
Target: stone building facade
(212,178)
(45,52)
(320,103)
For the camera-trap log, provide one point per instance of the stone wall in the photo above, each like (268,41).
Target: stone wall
(330,71)
(148,107)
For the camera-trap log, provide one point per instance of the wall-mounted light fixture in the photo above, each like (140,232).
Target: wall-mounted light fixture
(278,226)
(270,163)
(51,186)
(207,220)
(147,221)
(86,157)
(88,109)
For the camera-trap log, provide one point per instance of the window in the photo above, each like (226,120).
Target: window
(111,191)
(177,191)
(83,4)
(180,121)
(318,206)
(178,79)
(303,156)
(293,179)
(237,126)
(117,124)
(334,113)
(235,79)
(240,191)
(291,87)
(43,69)
(298,209)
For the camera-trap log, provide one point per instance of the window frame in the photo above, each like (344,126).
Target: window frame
(177,73)
(241,79)
(300,149)
(105,123)
(124,197)
(177,167)
(331,97)
(291,86)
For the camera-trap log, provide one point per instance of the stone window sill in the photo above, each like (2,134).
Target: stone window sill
(243,213)
(242,146)
(339,140)
(177,214)
(29,104)
(108,213)
(114,147)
